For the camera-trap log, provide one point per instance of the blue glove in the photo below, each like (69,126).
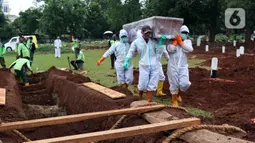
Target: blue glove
(162,39)
(126,63)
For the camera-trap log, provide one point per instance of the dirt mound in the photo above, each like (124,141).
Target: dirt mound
(233,62)
(12,111)
(78,78)
(76,99)
(122,90)
(229,102)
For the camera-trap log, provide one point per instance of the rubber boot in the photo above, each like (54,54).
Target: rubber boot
(148,96)
(160,89)
(175,100)
(27,84)
(123,85)
(20,81)
(179,96)
(141,94)
(136,89)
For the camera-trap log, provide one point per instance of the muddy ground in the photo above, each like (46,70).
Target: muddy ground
(58,93)
(230,102)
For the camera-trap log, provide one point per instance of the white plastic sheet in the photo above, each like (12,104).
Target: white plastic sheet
(169,26)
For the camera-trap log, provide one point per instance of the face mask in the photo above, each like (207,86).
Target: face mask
(124,40)
(184,36)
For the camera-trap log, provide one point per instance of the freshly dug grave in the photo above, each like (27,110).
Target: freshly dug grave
(62,90)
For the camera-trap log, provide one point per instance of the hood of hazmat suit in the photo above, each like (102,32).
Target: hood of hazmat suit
(178,73)
(184,28)
(139,34)
(120,49)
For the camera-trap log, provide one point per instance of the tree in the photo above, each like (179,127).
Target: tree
(199,15)
(28,22)
(63,17)
(6,30)
(95,22)
(132,10)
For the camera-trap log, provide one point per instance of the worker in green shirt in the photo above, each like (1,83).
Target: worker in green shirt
(18,66)
(2,52)
(22,50)
(78,63)
(28,43)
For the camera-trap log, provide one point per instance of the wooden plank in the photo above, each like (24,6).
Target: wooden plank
(80,72)
(2,96)
(200,136)
(74,118)
(124,132)
(104,90)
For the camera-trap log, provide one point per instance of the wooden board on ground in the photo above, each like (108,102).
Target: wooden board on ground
(199,136)
(104,90)
(75,118)
(124,132)
(2,96)
(80,72)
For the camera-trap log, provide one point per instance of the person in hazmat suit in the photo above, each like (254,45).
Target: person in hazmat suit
(149,50)
(177,69)
(120,50)
(161,73)
(19,65)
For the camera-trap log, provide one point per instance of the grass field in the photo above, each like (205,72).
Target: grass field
(102,74)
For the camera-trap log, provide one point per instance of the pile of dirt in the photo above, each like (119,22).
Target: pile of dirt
(78,78)
(122,90)
(229,102)
(76,99)
(12,110)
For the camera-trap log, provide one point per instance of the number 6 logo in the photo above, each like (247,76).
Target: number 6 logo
(235,18)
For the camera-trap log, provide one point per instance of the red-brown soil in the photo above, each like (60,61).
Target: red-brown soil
(229,102)
(75,98)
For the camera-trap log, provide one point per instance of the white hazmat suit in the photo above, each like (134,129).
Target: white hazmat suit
(148,64)
(120,49)
(178,73)
(161,72)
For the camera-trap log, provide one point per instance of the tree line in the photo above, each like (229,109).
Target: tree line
(90,18)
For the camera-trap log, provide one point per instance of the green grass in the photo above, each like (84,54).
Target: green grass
(199,113)
(102,74)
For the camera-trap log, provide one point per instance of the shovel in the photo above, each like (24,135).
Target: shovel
(68,59)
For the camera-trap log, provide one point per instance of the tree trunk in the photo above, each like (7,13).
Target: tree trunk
(213,26)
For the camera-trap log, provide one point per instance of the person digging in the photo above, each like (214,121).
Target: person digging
(78,63)
(18,66)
